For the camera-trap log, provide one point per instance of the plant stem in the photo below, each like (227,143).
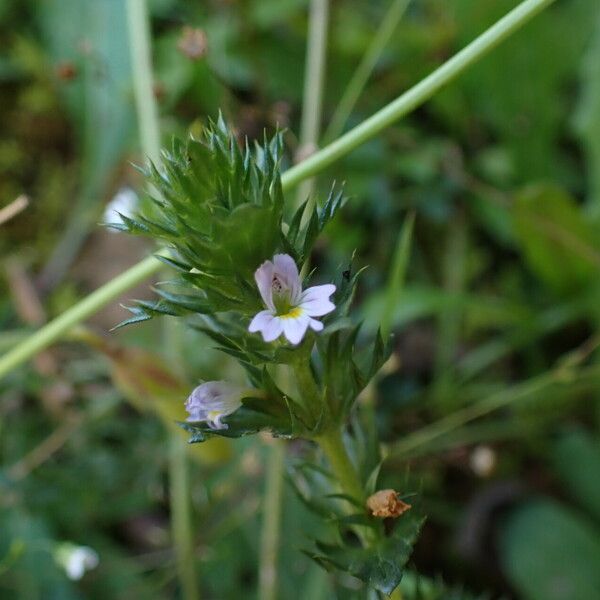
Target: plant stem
(365,68)
(149,132)
(345,472)
(139,39)
(450,317)
(395,284)
(269,546)
(181,525)
(317,162)
(418,94)
(577,379)
(312,105)
(82,310)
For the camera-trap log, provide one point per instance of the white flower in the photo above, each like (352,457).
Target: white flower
(289,309)
(76,560)
(124,202)
(214,400)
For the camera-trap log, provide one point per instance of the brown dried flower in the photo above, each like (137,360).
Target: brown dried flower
(192,43)
(385,503)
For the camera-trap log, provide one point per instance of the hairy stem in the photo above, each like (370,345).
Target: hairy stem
(400,107)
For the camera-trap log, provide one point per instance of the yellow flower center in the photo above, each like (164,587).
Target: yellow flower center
(213,414)
(292,314)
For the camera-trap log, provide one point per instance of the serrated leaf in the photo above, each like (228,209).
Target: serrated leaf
(380,565)
(345,497)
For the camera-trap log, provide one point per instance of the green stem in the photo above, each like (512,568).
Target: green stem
(418,94)
(345,472)
(312,105)
(450,317)
(309,167)
(181,517)
(580,379)
(269,545)
(147,111)
(78,313)
(149,132)
(365,68)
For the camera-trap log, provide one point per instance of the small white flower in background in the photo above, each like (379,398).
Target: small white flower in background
(76,560)
(483,461)
(124,202)
(289,309)
(213,400)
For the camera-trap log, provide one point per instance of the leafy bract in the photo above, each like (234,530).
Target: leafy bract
(219,207)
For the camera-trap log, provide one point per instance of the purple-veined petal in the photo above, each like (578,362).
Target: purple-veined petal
(260,321)
(286,270)
(220,397)
(264,280)
(315,300)
(315,325)
(295,328)
(196,414)
(273,330)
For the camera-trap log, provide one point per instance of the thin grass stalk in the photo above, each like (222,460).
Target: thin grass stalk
(365,68)
(149,132)
(419,93)
(145,103)
(397,278)
(271,526)
(450,317)
(581,379)
(314,77)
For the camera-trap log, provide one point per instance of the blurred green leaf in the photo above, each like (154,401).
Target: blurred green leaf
(576,459)
(587,118)
(557,242)
(524,102)
(90,38)
(549,553)
(397,274)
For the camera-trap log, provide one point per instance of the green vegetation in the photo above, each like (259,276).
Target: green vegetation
(467,142)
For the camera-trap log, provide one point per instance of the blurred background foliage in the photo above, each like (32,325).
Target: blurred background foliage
(492,403)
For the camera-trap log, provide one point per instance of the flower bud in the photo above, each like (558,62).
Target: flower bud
(214,400)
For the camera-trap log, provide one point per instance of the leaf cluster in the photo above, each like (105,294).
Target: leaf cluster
(380,564)
(219,208)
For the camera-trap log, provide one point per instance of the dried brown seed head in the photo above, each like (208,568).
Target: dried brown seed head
(385,503)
